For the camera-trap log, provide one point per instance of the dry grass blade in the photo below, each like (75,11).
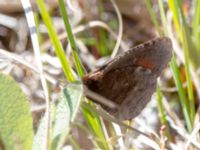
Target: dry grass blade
(31,23)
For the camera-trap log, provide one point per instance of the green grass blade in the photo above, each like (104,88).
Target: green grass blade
(92,120)
(72,42)
(94,124)
(174,7)
(185,107)
(102,43)
(163,17)
(181,92)
(186,47)
(56,43)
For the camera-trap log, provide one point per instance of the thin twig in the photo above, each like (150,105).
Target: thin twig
(119,38)
(182,133)
(191,137)
(20,60)
(91,24)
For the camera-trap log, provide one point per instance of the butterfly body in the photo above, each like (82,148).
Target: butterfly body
(129,80)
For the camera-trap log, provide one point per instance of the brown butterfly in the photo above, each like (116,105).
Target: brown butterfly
(130,79)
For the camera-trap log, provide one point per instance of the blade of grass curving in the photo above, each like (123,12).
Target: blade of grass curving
(181,92)
(162,112)
(56,43)
(72,42)
(119,35)
(153,16)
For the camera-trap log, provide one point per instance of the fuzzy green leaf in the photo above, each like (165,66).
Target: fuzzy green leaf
(16,130)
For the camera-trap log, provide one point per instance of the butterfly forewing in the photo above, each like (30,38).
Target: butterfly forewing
(129,80)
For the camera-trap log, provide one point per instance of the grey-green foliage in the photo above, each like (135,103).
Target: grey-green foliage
(62,114)
(16,130)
